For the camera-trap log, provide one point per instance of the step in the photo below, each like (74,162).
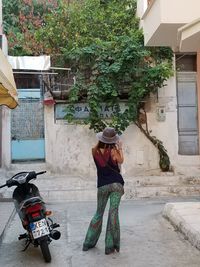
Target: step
(66,183)
(130,193)
(51,180)
(57,188)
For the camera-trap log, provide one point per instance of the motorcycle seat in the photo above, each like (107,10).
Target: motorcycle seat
(30,201)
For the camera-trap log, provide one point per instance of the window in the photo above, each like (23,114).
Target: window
(186,62)
(24,81)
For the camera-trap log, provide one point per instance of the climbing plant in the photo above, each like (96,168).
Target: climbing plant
(103,44)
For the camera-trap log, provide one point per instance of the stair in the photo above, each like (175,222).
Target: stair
(63,188)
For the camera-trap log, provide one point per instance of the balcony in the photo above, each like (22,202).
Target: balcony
(189,37)
(163,18)
(59,86)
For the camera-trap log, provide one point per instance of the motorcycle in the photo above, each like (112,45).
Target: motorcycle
(40,229)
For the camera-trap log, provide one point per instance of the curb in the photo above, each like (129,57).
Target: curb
(6,199)
(185,217)
(2,234)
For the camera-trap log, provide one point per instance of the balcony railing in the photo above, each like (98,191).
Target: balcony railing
(59,86)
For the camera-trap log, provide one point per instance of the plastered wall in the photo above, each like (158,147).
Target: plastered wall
(68,147)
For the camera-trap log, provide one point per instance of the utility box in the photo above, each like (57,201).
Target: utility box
(161,113)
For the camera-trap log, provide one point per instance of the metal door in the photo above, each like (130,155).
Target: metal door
(187,113)
(27,127)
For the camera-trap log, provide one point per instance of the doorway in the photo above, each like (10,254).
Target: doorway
(187,113)
(27,120)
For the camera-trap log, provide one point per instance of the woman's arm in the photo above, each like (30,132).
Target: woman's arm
(117,153)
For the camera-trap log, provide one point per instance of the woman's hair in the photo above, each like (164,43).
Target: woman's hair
(104,145)
(102,159)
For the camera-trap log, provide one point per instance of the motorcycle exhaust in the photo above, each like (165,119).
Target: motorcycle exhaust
(55,234)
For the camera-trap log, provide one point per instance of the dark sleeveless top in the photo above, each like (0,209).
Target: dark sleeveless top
(107,174)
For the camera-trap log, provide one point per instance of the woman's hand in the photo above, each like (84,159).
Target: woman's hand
(117,153)
(119,145)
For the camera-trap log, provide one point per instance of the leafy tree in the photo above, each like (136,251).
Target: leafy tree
(102,42)
(20,20)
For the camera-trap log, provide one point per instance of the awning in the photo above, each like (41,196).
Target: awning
(8,91)
(39,63)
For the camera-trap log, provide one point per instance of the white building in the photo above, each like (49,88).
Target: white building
(177,24)
(171,23)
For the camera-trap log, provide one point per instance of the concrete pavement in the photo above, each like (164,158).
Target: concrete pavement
(184,216)
(147,239)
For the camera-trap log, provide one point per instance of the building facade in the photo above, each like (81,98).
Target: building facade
(37,131)
(176,24)
(44,136)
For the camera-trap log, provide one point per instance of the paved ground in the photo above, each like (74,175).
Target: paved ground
(147,239)
(6,211)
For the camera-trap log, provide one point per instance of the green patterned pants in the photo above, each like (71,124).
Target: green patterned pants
(112,239)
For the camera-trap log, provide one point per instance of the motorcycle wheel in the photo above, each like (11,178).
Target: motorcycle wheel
(45,250)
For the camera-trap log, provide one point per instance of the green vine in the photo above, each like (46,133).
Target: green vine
(164,161)
(102,43)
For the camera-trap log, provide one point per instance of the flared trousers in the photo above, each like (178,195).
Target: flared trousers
(113,192)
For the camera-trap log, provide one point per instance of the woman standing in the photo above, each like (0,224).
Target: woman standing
(107,156)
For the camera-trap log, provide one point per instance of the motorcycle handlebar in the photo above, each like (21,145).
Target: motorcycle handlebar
(40,173)
(33,175)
